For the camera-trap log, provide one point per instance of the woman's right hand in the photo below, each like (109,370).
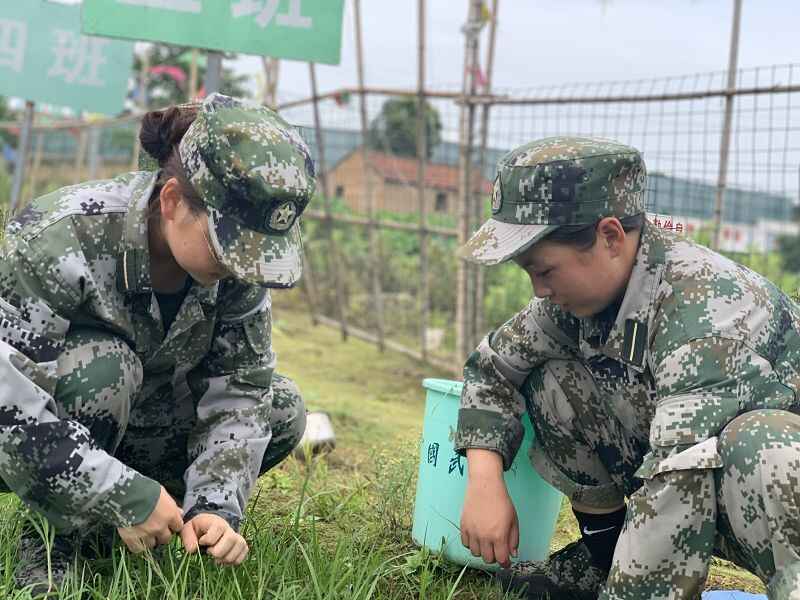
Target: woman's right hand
(489,525)
(165,520)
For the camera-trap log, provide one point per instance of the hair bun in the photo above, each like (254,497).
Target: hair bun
(162,130)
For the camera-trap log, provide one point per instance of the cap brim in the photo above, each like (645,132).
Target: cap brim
(497,242)
(268,260)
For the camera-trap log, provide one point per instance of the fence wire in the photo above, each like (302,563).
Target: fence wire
(676,123)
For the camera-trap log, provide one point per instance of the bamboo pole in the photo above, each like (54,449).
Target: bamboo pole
(323,178)
(724,149)
(532,100)
(422,158)
(395,225)
(375,282)
(480,281)
(361,334)
(464,281)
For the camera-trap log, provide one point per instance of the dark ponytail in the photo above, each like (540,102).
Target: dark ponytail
(160,135)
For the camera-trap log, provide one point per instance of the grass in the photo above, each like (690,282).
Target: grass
(337,527)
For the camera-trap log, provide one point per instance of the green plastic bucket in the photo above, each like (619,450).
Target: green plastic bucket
(443,480)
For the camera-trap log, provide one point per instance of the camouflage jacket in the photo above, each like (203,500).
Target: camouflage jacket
(697,340)
(78,257)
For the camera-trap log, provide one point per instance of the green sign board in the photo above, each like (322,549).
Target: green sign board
(309,30)
(44,57)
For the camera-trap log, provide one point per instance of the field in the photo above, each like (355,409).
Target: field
(337,527)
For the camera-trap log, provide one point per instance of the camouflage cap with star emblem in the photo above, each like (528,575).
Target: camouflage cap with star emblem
(553,182)
(255,175)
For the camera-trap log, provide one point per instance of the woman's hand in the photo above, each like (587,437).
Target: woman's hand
(489,525)
(165,520)
(224,544)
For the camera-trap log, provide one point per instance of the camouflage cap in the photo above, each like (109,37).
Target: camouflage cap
(255,175)
(552,182)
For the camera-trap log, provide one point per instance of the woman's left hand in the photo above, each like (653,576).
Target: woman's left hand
(224,544)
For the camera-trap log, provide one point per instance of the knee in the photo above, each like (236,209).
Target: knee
(98,378)
(288,409)
(750,440)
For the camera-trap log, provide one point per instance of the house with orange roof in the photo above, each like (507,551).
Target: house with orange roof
(394,183)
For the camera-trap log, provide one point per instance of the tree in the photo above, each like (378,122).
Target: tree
(163,89)
(6,137)
(395,128)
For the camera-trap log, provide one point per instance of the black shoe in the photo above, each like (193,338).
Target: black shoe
(34,571)
(566,575)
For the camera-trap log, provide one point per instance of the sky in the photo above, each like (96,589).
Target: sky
(548,42)
(555,42)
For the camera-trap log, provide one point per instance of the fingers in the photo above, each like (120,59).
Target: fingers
(474,545)
(214,533)
(487,552)
(225,544)
(230,549)
(176,522)
(240,559)
(501,554)
(189,539)
(163,536)
(513,540)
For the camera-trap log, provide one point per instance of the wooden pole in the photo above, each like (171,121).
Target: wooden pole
(323,178)
(724,148)
(23,147)
(422,158)
(480,282)
(375,281)
(465,292)
(271,70)
(192,91)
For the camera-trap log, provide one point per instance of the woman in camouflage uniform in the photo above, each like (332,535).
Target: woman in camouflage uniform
(136,369)
(662,382)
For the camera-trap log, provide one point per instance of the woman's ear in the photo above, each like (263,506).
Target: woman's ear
(170,197)
(611,235)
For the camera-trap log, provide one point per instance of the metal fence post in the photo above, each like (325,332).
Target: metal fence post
(323,178)
(22,155)
(466,292)
(480,281)
(724,149)
(422,158)
(374,261)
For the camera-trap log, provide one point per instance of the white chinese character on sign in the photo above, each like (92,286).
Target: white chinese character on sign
(77,58)
(266,10)
(189,6)
(13,39)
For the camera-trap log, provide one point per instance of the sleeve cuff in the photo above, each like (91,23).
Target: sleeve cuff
(489,430)
(204,506)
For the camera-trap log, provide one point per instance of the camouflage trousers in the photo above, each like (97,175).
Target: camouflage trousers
(99,385)
(749,507)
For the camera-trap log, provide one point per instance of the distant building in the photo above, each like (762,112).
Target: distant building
(393,182)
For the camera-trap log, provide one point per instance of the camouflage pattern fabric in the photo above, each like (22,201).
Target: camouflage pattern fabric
(255,174)
(552,182)
(684,402)
(86,369)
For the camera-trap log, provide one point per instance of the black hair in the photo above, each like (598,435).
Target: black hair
(160,135)
(583,237)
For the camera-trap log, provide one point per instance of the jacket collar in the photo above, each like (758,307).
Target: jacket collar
(629,337)
(133,261)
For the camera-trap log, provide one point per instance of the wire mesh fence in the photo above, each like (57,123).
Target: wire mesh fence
(676,122)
